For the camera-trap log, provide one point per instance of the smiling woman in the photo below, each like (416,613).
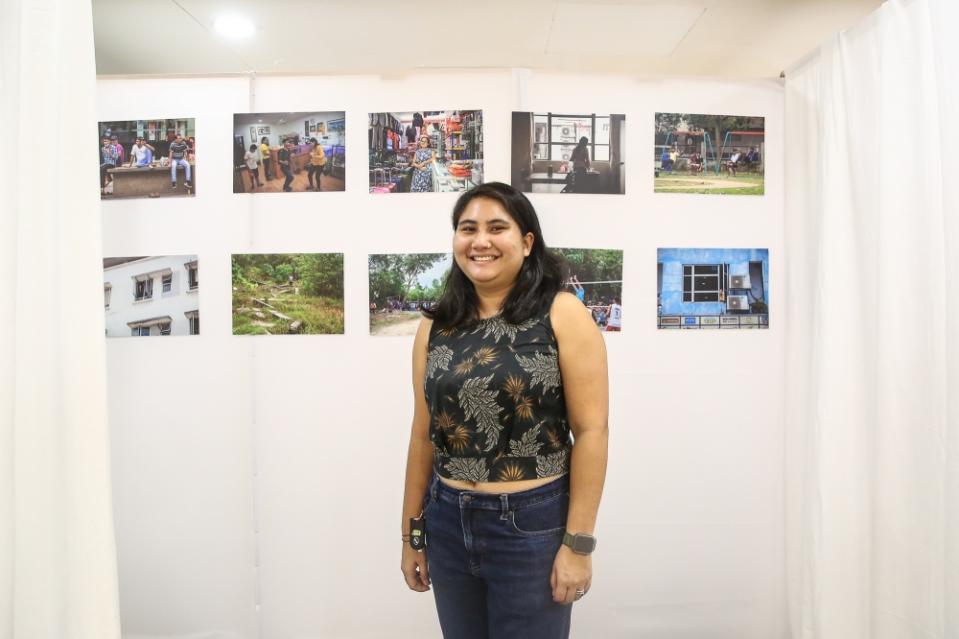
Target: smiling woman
(507,371)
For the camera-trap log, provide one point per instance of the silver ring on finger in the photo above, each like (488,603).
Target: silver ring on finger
(579,593)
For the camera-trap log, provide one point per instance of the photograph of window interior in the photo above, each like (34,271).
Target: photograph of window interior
(720,154)
(152,295)
(147,158)
(717,288)
(425,151)
(288,294)
(402,285)
(289,152)
(595,276)
(569,153)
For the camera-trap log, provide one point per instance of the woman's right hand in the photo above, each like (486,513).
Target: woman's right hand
(415,570)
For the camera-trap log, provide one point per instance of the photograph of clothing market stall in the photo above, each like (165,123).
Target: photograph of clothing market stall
(147,158)
(425,151)
(569,153)
(289,152)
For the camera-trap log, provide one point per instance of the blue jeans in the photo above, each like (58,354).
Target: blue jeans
(490,559)
(174,164)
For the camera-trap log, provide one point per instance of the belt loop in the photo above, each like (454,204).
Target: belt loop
(504,506)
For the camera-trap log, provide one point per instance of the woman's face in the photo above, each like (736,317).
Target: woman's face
(488,245)
(424,142)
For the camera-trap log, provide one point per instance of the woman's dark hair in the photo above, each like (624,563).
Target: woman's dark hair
(584,141)
(539,279)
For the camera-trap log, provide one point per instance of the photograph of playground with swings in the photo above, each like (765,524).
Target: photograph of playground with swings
(717,154)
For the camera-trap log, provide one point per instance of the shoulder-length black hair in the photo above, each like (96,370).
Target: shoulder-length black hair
(539,279)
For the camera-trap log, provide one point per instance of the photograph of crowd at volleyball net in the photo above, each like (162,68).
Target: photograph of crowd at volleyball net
(695,153)
(595,276)
(402,285)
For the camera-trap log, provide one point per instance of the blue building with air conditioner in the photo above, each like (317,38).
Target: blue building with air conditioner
(713,288)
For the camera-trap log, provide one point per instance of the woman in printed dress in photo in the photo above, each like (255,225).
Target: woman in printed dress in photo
(423,160)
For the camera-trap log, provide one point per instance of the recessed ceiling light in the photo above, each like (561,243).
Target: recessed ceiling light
(233,26)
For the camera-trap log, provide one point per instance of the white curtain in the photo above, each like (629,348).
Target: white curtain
(57,552)
(872,223)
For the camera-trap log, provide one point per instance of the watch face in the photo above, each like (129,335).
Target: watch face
(583,544)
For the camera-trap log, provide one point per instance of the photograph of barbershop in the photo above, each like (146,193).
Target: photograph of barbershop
(425,151)
(720,154)
(150,296)
(712,288)
(287,152)
(147,158)
(569,153)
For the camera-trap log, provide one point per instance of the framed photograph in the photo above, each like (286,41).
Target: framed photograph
(287,294)
(425,151)
(712,288)
(288,152)
(595,276)
(147,158)
(151,296)
(402,285)
(710,154)
(569,152)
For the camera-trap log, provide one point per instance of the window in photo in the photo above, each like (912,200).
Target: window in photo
(167,281)
(107,292)
(194,318)
(143,289)
(704,282)
(555,136)
(192,275)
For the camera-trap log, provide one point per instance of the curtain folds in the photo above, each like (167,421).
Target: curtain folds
(57,553)
(872,350)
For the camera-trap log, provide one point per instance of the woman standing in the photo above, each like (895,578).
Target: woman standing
(423,160)
(317,161)
(265,157)
(505,368)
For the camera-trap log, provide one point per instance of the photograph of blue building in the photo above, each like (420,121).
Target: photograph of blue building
(712,288)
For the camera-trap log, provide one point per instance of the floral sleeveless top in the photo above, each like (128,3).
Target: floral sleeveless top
(495,394)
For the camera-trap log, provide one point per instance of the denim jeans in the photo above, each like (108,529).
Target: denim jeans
(490,558)
(181,162)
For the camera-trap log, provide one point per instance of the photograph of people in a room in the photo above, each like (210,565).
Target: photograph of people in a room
(699,288)
(425,151)
(402,285)
(289,152)
(722,154)
(595,276)
(147,158)
(288,294)
(151,295)
(569,153)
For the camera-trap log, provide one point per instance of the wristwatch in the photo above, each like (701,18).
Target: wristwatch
(580,543)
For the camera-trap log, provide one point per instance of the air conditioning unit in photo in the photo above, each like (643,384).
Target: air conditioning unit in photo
(739,281)
(737,303)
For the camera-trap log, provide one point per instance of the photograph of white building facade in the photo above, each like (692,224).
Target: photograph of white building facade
(153,295)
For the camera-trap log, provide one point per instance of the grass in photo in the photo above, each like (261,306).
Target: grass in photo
(288,294)
(595,276)
(712,288)
(401,285)
(715,154)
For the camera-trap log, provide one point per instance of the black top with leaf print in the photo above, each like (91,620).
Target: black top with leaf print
(495,394)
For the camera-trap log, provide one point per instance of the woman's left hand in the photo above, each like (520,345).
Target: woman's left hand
(570,572)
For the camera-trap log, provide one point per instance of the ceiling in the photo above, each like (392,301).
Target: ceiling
(732,38)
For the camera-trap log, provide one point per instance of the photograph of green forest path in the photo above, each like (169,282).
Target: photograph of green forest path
(288,294)
(401,285)
(715,154)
